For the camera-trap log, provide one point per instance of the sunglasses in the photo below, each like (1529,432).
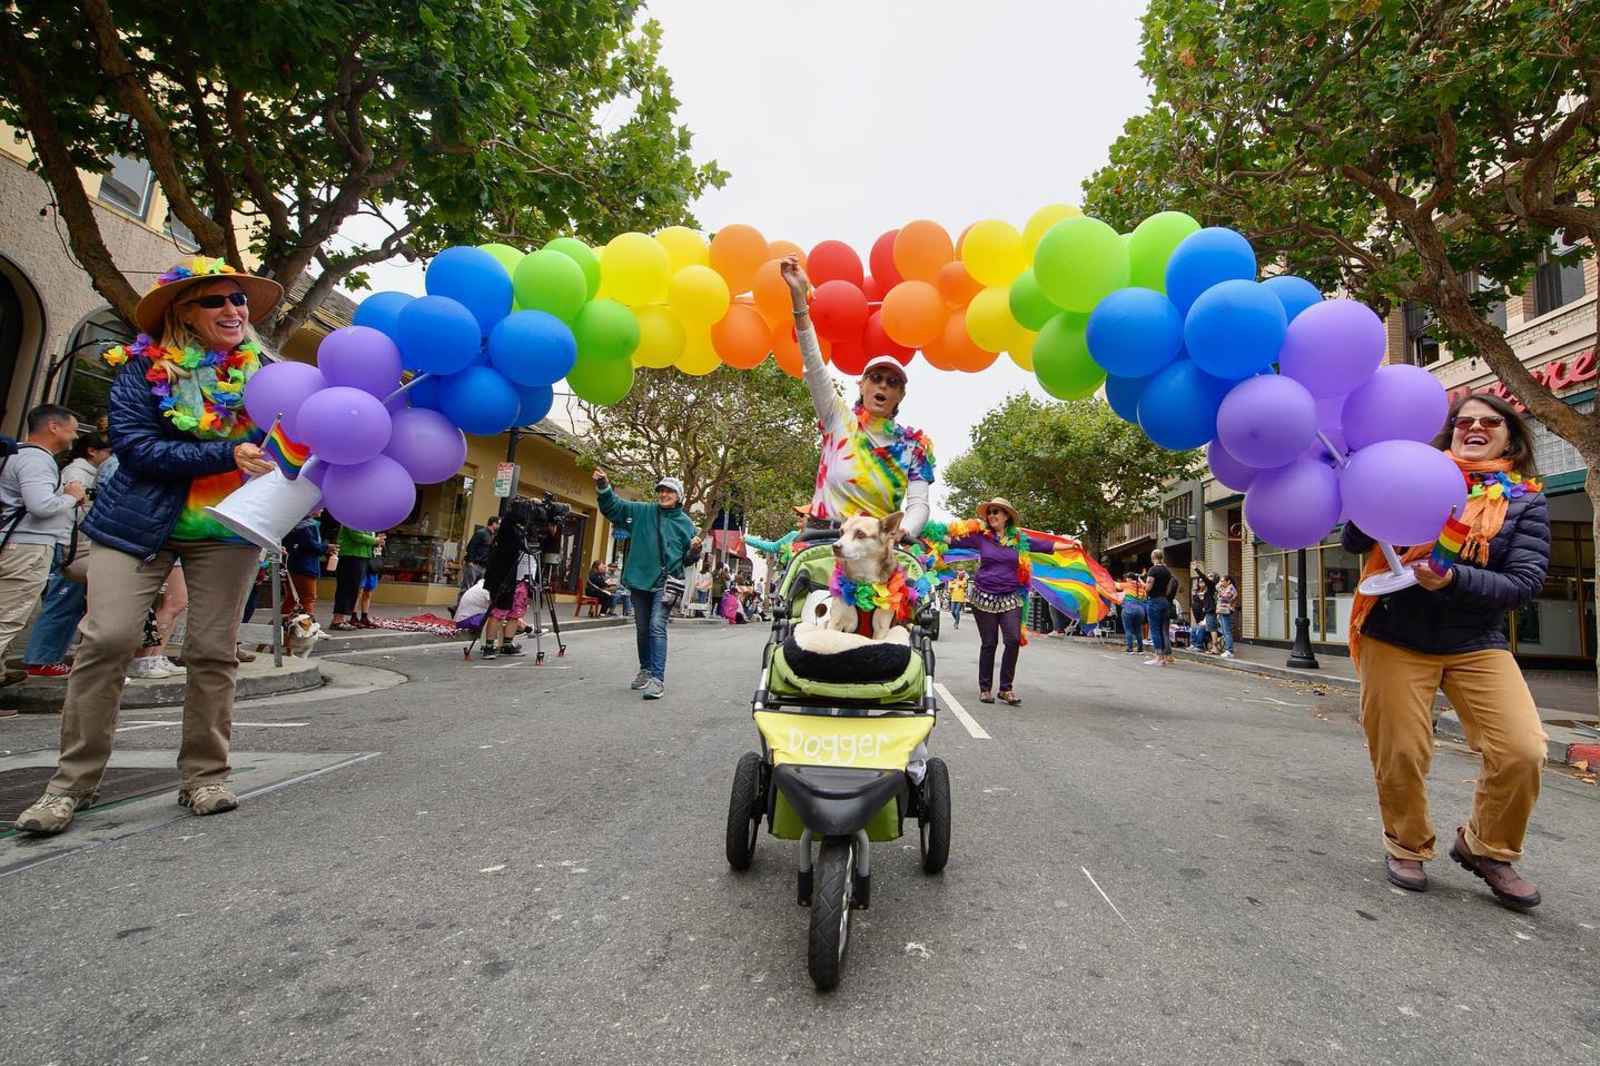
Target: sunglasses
(1466,422)
(216,300)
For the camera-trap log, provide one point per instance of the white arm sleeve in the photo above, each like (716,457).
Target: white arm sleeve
(916,508)
(818,380)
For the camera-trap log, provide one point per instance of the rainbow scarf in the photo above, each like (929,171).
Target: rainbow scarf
(289,454)
(897,594)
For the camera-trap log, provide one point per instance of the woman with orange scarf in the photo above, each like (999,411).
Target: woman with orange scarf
(1445,632)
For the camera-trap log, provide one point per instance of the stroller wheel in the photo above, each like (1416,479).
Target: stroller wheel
(830,911)
(933,818)
(745,807)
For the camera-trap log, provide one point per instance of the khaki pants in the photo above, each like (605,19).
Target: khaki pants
(24,569)
(121,588)
(1500,720)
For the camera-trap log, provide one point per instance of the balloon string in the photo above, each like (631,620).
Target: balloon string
(1338,456)
(1391,558)
(401,390)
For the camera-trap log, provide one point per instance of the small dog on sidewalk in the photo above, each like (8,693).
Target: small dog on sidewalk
(300,635)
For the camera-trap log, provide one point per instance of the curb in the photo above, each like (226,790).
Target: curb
(1304,677)
(256,680)
(378,639)
(1557,752)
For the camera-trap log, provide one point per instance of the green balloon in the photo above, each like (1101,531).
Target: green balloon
(1151,244)
(1061,359)
(550,281)
(581,254)
(1029,305)
(505,255)
(1079,262)
(601,381)
(606,332)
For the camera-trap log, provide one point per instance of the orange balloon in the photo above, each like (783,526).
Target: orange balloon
(779,249)
(920,249)
(771,294)
(958,348)
(737,251)
(936,356)
(742,338)
(914,313)
(956,285)
(786,350)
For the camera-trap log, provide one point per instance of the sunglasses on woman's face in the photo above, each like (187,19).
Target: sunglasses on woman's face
(1466,422)
(216,300)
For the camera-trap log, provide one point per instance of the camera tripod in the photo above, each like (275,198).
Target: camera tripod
(539,599)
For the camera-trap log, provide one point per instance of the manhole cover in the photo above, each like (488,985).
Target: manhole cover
(20,787)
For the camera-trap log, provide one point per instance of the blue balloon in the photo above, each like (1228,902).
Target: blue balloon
(1134,332)
(1123,395)
(381,311)
(480,401)
(532,348)
(536,402)
(1205,258)
(1178,410)
(425,393)
(475,279)
(437,335)
(1235,329)
(1295,293)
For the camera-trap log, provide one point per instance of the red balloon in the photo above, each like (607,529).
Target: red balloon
(882,259)
(877,342)
(834,261)
(872,289)
(839,310)
(849,357)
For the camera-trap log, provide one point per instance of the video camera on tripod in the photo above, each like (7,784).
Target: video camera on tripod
(542,521)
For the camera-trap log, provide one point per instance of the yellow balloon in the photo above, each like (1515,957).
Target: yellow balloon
(685,247)
(994,253)
(661,338)
(634,269)
(699,357)
(699,295)
(1021,350)
(1042,220)
(989,321)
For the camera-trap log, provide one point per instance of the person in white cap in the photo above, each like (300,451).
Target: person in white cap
(871,464)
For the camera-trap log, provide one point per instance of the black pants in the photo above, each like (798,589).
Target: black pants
(348,584)
(990,627)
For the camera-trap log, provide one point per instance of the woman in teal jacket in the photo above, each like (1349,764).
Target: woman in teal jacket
(664,542)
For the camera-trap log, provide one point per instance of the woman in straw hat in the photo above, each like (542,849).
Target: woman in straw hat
(179,427)
(998,595)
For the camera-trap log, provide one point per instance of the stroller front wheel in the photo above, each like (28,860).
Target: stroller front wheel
(831,897)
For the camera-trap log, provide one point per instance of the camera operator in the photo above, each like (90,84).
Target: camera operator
(509,575)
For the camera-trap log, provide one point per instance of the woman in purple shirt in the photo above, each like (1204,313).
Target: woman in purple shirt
(998,591)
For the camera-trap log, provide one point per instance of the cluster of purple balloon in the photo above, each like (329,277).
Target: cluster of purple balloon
(1330,434)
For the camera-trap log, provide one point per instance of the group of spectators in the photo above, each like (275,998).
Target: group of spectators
(604,585)
(1148,605)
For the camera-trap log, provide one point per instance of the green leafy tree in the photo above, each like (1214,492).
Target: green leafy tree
(270,125)
(1073,468)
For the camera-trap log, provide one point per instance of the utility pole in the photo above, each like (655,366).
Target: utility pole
(1301,656)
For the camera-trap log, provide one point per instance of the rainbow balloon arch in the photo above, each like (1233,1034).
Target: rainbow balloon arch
(1285,390)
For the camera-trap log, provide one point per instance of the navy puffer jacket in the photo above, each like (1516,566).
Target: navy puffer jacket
(137,509)
(1467,614)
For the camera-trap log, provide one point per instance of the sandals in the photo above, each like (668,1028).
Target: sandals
(341,627)
(984,697)
(1010,697)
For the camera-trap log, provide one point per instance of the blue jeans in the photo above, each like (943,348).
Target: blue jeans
(650,628)
(1159,609)
(64,605)
(955,611)
(1133,627)
(1226,622)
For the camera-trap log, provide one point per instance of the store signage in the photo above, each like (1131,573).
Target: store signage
(1556,375)
(1177,529)
(505,479)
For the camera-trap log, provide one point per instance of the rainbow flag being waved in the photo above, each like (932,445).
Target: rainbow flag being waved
(1068,579)
(1447,549)
(290,455)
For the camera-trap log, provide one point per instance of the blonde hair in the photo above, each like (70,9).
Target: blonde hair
(175,332)
(1158,556)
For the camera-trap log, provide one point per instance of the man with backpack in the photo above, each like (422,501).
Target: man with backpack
(36,515)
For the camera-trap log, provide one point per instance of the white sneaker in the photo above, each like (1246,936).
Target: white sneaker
(1154,662)
(150,668)
(1228,655)
(171,667)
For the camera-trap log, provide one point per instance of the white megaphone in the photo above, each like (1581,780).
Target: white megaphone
(264,509)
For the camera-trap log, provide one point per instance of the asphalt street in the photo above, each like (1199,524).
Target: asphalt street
(1148,866)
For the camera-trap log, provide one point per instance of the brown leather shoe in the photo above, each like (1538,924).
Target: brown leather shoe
(1405,873)
(1508,886)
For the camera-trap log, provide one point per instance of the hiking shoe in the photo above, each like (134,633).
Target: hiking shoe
(208,799)
(640,680)
(489,652)
(51,813)
(654,689)
(1508,886)
(1405,873)
(508,647)
(49,670)
(150,668)
(243,654)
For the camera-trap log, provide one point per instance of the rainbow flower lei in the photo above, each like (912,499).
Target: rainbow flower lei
(897,594)
(1496,484)
(200,392)
(909,453)
(936,537)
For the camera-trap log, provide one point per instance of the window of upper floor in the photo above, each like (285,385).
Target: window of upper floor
(128,186)
(1559,279)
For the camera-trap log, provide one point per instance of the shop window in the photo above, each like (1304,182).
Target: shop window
(128,185)
(1272,597)
(1559,280)
(1341,572)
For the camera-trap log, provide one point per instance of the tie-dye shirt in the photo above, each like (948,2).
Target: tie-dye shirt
(869,465)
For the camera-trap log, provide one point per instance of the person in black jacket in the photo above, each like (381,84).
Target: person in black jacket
(1445,632)
(477,554)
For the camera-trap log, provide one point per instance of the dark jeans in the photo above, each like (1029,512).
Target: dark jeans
(650,629)
(1133,627)
(1159,611)
(351,573)
(990,627)
(64,604)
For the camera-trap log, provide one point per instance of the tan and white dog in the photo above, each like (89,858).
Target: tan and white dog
(865,552)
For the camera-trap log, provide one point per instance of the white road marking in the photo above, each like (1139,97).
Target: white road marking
(137,724)
(977,731)
(1105,897)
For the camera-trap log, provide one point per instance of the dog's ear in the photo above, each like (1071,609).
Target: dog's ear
(891,525)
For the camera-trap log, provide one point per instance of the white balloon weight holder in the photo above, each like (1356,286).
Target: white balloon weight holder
(264,509)
(1398,576)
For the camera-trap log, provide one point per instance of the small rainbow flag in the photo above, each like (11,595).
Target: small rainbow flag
(1447,549)
(290,455)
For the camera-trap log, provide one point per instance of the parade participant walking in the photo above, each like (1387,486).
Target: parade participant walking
(870,463)
(1132,587)
(1159,588)
(1227,603)
(999,592)
(958,596)
(185,441)
(664,542)
(1446,632)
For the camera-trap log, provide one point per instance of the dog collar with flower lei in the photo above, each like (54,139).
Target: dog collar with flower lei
(199,391)
(897,594)
(1496,484)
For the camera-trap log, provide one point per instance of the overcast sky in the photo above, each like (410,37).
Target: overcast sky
(845,119)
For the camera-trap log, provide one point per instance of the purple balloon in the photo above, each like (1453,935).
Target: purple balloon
(361,358)
(1333,347)
(1329,424)
(343,425)
(372,496)
(315,471)
(280,389)
(1267,421)
(1399,402)
(427,445)
(1294,506)
(1228,470)
(1402,491)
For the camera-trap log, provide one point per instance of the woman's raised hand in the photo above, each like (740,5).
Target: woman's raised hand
(794,275)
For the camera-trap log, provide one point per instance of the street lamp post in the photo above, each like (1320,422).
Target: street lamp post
(1301,657)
